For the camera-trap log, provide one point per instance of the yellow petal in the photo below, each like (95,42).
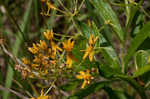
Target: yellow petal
(91,56)
(49,34)
(69,61)
(83,84)
(91,39)
(68,45)
(87,51)
(51,6)
(79,77)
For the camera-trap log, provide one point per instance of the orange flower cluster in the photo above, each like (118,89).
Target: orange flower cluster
(86,76)
(44,54)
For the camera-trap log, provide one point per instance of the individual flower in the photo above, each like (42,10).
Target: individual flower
(50,6)
(86,76)
(54,49)
(42,45)
(25,72)
(69,60)
(34,49)
(48,52)
(92,40)
(26,61)
(90,50)
(42,96)
(41,59)
(68,47)
(35,66)
(37,59)
(49,35)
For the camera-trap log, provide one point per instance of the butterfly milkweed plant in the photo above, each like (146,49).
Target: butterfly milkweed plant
(74,49)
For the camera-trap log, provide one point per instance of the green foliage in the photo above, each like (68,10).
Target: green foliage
(136,41)
(106,12)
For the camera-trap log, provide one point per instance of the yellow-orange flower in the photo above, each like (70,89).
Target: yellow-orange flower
(26,61)
(54,49)
(69,60)
(68,45)
(34,49)
(49,35)
(92,40)
(86,76)
(90,50)
(42,96)
(42,45)
(35,65)
(50,6)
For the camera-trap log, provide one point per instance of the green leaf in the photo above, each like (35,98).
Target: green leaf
(141,58)
(70,86)
(111,57)
(141,71)
(132,13)
(106,12)
(107,71)
(136,42)
(91,89)
(134,84)
(138,23)
(113,94)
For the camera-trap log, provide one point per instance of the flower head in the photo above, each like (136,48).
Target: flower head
(68,45)
(50,6)
(26,61)
(54,49)
(92,40)
(42,45)
(34,49)
(86,76)
(69,60)
(90,50)
(42,96)
(49,35)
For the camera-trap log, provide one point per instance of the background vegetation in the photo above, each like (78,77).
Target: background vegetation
(121,65)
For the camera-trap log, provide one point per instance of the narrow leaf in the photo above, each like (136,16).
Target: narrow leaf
(141,71)
(106,12)
(91,89)
(136,42)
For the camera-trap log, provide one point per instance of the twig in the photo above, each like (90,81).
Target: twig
(51,86)
(12,56)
